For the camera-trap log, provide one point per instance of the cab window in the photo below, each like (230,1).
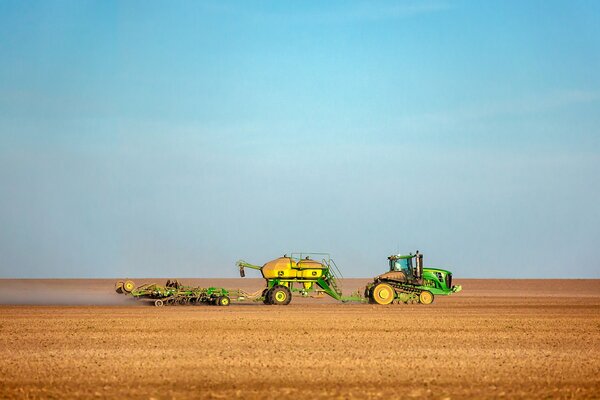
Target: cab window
(401,265)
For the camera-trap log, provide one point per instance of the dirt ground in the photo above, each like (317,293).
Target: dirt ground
(497,338)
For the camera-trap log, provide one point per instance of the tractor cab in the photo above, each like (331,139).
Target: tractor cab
(410,265)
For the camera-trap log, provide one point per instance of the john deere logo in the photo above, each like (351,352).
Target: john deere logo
(280,273)
(314,273)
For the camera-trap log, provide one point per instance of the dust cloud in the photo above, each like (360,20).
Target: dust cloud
(76,292)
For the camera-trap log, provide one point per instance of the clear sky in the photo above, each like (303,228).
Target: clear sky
(142,138)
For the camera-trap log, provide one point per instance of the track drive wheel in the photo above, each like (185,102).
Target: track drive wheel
(158,303)
(265,296)
(280,295)
(426,297)
(383,294)
(223,301)
(128,286)
(119,287)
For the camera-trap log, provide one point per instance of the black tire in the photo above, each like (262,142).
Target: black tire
(265,295)
(369,295)
(223,301)
(280,295)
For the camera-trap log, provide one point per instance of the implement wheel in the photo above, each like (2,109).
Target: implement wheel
(128,286)
(280,295)
(383,294)
(158,303)
(223,301)
(265,296)
(426,297)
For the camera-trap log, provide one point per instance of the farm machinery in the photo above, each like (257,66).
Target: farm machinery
(407,281)
(174,293)
(298,273)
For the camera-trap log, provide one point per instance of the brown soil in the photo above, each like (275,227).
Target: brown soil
(497,338)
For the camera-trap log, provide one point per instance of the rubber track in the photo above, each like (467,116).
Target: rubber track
(402,287)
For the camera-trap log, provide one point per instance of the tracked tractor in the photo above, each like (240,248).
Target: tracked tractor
(407,281)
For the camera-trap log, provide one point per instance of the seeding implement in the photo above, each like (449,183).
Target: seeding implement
(174,293)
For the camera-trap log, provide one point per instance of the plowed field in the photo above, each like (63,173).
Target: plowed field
(513,339)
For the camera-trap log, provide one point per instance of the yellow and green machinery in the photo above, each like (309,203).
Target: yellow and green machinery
(174,293)
(300,273)
(407,281)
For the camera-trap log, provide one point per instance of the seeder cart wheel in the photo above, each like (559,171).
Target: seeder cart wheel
(158,303)
(265,295)
(426,297)
(280,295)
(223,301)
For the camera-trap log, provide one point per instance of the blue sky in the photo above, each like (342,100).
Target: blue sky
(173,138)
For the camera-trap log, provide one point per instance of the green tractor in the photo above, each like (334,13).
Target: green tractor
(408,281)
